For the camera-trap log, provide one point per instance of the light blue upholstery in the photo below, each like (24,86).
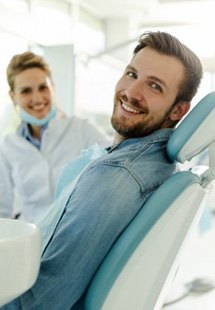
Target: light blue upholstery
(135,232)
(188,127)
(155,207)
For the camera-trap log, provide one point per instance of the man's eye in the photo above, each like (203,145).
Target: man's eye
(131,74)
(156,86)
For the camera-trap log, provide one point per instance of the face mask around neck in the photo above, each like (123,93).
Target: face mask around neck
(29,119)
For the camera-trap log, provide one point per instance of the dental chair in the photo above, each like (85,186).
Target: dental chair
(138,271)
(20,248)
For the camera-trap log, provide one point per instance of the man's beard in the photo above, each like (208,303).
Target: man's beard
(142,128)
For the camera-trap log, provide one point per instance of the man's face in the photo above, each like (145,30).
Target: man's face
(145,94)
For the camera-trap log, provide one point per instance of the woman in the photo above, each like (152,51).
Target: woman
(32,157)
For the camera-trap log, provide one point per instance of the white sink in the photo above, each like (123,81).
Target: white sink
(20,249)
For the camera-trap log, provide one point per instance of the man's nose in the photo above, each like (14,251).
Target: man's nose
(135,91)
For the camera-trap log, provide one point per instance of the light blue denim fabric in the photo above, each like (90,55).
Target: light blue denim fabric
(73,169)
(65,185)
(107,196)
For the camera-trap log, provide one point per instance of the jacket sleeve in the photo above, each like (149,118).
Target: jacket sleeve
(6,187)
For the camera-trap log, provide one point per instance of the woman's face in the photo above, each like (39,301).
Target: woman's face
(33,92)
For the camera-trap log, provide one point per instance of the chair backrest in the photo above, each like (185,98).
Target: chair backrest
(139,268)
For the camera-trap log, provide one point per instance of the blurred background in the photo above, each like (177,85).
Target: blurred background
(88,43)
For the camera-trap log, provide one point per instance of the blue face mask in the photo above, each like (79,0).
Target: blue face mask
(28,118)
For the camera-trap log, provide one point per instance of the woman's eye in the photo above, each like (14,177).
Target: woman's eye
(43,87)
(25,91)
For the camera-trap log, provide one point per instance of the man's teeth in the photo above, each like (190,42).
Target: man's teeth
(127,108)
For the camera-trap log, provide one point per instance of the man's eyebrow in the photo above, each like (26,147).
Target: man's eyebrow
(130,67)
(151,77)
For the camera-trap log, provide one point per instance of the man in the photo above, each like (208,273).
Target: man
(153,94)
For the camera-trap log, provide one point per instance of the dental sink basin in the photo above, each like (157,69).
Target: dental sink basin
(20,249)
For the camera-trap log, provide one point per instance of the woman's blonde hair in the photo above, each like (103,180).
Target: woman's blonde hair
(21,62)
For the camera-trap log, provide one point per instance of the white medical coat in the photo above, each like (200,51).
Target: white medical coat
(31,174)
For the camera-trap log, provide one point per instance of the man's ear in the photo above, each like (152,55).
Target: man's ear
(179,110)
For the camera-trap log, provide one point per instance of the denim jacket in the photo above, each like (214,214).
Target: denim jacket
(105,199)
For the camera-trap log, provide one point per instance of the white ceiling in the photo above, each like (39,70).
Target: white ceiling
(152,12)
(164,13)
(146,13)
(117,8)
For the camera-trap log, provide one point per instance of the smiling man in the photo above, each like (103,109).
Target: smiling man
(146,95)
(153,94)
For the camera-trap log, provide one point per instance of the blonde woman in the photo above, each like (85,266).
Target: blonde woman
(32,157)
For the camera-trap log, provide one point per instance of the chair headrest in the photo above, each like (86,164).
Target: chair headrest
(195,133)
